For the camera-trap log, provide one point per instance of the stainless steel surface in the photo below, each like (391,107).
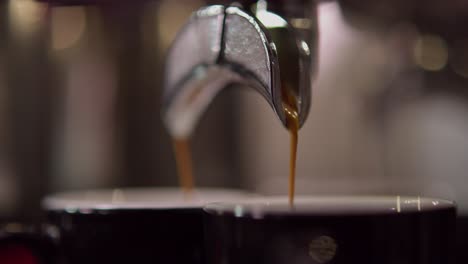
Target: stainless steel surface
(224,46)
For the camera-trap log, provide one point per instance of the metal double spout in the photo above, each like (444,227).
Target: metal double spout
(267,46)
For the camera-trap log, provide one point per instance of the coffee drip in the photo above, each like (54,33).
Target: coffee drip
(183,157)
(292,125)
(265,46)
(183,153)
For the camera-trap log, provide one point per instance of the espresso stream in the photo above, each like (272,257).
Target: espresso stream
(292,124)
(184,158)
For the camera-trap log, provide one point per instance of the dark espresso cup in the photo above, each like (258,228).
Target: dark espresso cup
(118,226)
(334,230)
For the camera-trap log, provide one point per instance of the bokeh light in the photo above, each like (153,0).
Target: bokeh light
(25,15)
(67,26)
(431,52)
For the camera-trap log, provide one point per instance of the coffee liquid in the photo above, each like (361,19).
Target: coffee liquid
(183,153)
(288,57)
(289,68)
(292,124)
(183,158)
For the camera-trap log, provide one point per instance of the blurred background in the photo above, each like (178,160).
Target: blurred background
(80,93)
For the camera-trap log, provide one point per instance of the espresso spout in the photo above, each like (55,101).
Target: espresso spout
(223,46)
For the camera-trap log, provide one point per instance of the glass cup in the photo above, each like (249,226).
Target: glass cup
(141,225)
(332,229)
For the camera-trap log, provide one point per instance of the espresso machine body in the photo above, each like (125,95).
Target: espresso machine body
(83,84)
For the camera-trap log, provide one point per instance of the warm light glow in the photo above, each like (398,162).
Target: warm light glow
(430,52)
(301,23)
(67,26)
(25,15)
(171,16)
(13,228)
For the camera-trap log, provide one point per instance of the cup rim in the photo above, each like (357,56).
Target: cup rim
(328,205)
(139,198)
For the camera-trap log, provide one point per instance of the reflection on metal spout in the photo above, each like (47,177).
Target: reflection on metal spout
(268,19)
(305,48)
(195,74)
(188,106)
(220,47)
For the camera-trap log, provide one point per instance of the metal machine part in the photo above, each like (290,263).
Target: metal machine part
(223,46)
